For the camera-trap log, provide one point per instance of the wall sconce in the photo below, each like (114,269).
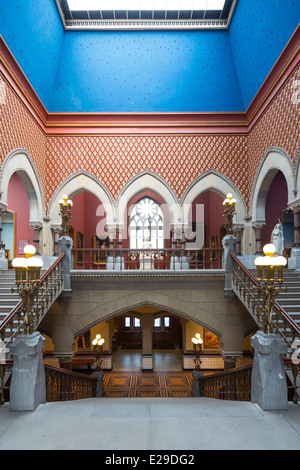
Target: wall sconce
(65,205)
(98,350)
(197,344)
(27,277)
(268,267)
(229,208)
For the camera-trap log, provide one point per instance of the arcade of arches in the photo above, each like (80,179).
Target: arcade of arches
(142,182)
(143,330)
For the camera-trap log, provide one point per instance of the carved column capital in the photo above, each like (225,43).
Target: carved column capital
(36,225)
(3,209)
(294,206)
(258,224)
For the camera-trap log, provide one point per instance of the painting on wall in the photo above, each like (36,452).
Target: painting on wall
(21,246)
(211,341)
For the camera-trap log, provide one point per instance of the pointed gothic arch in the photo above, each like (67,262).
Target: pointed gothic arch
(275,159)
(74,184)
(19,161)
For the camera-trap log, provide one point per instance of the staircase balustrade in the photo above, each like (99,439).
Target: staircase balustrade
(235,384)
(64,385)
(248,289)
(51,285)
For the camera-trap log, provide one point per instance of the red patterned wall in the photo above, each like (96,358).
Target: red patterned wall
(20,130)
(177,159)
(279,125)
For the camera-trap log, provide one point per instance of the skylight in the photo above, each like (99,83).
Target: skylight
(145,5)
(146,14)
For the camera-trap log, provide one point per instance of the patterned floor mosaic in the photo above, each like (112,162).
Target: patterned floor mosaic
(147,385)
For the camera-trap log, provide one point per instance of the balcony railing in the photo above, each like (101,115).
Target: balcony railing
(138,259)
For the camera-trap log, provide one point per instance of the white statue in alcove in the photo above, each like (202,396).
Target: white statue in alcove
(277,238)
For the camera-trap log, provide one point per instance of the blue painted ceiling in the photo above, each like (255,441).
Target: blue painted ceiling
(147,71)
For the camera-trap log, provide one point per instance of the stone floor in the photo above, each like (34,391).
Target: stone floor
(130,360)
(150,424)
(156,424)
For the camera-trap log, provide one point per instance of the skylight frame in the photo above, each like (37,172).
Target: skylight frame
(150,20)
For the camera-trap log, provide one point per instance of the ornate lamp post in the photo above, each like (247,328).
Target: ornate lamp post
(229,208)
(269,274)
(268,382)
(27,272)
(98,350)
(65,213)
(197,344)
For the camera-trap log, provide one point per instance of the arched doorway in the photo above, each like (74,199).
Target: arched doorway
(276,201)
(16,229)
(88,230)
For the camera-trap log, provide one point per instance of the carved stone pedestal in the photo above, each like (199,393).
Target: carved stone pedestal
(268,382)
(28,382)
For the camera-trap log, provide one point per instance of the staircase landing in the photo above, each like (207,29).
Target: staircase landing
(155,424)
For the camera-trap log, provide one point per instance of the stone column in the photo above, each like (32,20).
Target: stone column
(63,340)
(65,245)
(296,211)
(2,211)
(57,230)
(147,341)
(28,382)
(175,261)
(268,382)
(3,260)
(37,227)
(294,260)
(119,260)
(238,234)
(258,240)
(229,244)
(111,235)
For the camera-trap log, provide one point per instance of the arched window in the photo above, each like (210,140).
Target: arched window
(146,217)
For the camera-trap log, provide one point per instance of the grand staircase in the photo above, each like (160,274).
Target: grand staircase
(8,300)
(289,300)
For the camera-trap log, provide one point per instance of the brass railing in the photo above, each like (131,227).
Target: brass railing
(64,385)
(50,287)
(234,384)
(167,258)
(248,289)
